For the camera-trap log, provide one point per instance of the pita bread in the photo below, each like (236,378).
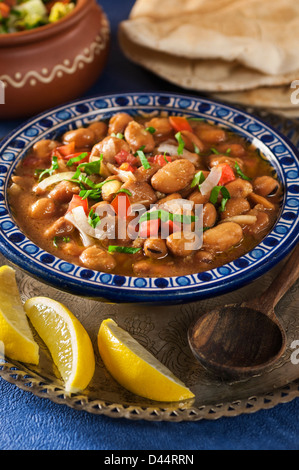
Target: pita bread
(199,75)
(215,45)
(266,97)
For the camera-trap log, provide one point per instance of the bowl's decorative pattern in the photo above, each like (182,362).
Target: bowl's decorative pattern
(282,155)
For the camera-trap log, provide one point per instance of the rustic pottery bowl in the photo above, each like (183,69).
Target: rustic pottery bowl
(53,64)
(273,146)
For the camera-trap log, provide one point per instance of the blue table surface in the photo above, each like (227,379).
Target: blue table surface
(31,423)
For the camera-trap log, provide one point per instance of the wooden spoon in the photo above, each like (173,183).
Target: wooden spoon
(241,340)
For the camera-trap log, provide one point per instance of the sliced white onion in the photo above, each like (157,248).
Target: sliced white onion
(211,181)
(53,179)
(172,150)
(78,219)
(124,176)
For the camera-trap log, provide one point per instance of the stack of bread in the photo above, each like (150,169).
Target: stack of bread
(239,51)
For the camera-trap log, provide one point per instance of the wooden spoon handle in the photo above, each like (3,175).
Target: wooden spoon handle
(281,284)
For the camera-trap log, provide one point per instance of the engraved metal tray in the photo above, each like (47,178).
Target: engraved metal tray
(163,331)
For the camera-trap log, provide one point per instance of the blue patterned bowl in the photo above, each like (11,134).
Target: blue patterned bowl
(18,249)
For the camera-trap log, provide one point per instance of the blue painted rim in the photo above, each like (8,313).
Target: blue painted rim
(281,153)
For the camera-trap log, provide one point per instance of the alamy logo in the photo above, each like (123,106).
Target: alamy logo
(2,92)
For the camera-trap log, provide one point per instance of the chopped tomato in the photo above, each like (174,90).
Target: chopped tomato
(227,175)
(162,160)
(66,150)
(180,124)
(4,10)
(121,204)
(74,155)
(171,227)
(78,201)
(127,167)
(149,228)
(125,157)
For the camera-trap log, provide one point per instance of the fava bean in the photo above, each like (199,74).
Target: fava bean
(43,208)
(222,237)
(155,248)
(108,147)
(173,177)
(265,185)
(138,137)
(118,123)
(182,244)
(82,137)
(235,206)
(95,258)
(239,188)
(209,215)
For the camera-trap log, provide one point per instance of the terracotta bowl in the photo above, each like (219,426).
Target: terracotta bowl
(53,64)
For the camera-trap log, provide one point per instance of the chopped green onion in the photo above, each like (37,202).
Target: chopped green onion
(240,172)
(123,249)
(76,159)
(91,193)
(119,135)
(165,216)
(196,149)
(143,160)
(198,179)
(93,219)
(215,193)
(49,171)
(150,129)
(164,156)
(124,190)
(55,242)
(92,168)
(181,143)
(228,151)
(215,151)
(66,239)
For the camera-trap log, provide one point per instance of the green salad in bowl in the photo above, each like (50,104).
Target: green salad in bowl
(22,15)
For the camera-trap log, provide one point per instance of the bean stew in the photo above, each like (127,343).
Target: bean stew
(77,197)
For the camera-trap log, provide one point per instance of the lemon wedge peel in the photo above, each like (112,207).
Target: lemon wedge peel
(135,368)
(15,332)
(67,340)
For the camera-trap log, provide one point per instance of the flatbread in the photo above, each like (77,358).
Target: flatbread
(215,45)
(266,97)
(200,75)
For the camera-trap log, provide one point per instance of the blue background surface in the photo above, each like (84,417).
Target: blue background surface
(31,423)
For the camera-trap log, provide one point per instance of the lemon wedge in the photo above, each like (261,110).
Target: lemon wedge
(15,333)
(67,340)
(135,368)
